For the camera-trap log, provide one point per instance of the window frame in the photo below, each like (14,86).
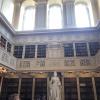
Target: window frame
(23,21)
(88,14)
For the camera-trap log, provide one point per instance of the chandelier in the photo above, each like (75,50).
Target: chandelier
(2,70)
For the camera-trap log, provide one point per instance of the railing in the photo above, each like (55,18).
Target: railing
(75,63)
(7,59)
(70,63)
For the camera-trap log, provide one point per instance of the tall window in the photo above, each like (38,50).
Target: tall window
(27,15)
(28,18)
(82,15)
(7,9)
(54,17)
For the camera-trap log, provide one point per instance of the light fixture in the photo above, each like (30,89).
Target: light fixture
(2,70)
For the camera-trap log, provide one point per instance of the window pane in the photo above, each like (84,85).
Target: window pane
(68,50)
(29,18)
(55,17)
(81,49)
(94,48)
(82,15)
(2,42)
(18,50)
(30,51)
(41,51)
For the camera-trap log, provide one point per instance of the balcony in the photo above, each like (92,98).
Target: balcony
(45,64)
(7,60)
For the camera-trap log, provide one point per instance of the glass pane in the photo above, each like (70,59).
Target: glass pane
(29,18)
(82,15)
(55,17)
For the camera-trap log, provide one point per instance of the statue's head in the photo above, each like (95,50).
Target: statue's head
(55,73)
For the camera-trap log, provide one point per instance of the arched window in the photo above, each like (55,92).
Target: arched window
(28,18)
(27,15)
(82,15)
(54,17)
(7,9)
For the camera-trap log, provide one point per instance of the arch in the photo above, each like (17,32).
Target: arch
(83,13)
(27,15)
(7,9)
(54,17)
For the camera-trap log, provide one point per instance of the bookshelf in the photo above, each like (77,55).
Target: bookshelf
(86,89)
(26,88)
(9,86)
(40,89)
(97,83)
(70,89)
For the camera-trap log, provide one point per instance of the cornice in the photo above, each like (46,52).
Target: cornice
(7,24)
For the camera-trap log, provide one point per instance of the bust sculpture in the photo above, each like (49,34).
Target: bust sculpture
(55,88)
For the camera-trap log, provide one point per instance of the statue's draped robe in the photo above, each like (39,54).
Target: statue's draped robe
(55,88)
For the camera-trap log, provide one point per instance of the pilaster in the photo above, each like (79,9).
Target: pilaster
(16,15)
(40,17)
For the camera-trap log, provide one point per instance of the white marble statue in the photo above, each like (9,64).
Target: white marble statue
(55,88)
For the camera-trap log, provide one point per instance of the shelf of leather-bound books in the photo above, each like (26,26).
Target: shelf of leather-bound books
(40,89)
(97,83)
(26,89)
(70,89)
(86,89)
(9,87)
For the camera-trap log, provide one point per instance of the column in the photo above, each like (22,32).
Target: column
(95,11)
(78,88)
(47,88)
(94,88)
(16,15)
(41,9)
(63,88)
(36,47)
(74,49)
(88,49)
(33,89)
(19,86)
(23,54)
(1,84)
(68,13)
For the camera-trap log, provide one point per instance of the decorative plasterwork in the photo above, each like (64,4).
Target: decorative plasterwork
(82,1)
(52,2)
